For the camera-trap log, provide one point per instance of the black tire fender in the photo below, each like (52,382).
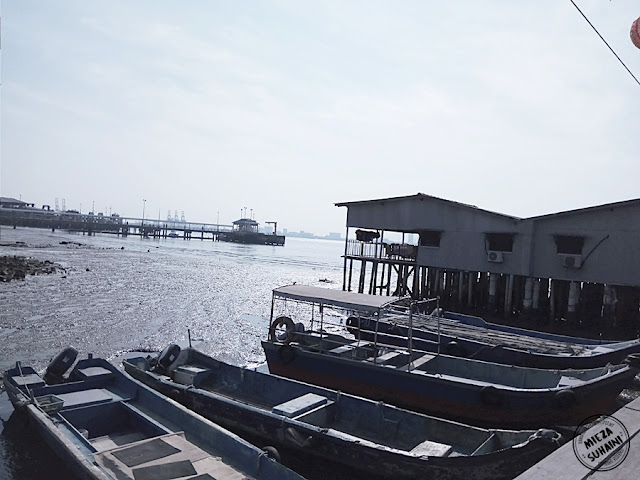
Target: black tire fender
(290,330)
(353,322)
(272,453)
(454,349)
(633,360)
(565,398)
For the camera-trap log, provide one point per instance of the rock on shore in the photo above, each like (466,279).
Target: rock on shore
(17,268)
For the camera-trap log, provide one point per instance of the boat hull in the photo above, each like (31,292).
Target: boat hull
(440,395)
(308,440)
(594,354)
(100,416)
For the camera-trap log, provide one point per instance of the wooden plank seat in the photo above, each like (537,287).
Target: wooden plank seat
(174,457)
(388,357)
(348,348)
(95,372)
(85,398)
(417,362)
(429,448)
(187,374)
(300,405)
(567,381)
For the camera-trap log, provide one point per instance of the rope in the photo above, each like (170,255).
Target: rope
(605,42)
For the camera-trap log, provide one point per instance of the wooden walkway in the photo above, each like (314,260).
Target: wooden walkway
(563,463)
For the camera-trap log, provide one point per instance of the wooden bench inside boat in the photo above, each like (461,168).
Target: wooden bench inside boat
(345,350)
(162,458)
(301,405)
(430,448)
(95,372)
(417,363)
(85,398)
(189,374)
(567,381)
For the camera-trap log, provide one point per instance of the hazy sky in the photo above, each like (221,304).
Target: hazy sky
(288,106)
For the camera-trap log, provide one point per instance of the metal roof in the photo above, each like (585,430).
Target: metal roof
(423,196)
(248,221)
(335,298)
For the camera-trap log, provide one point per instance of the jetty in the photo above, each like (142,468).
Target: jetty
(608,452)
(91,224)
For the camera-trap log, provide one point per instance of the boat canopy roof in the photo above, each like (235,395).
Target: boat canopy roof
(335,298)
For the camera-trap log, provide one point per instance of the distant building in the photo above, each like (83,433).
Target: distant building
(7,202)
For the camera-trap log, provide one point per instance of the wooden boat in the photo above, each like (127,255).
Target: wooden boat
(468,336)
(374,438)
(105,425)
(467,390)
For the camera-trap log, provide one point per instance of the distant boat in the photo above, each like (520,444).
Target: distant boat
(472,337)
(246,230)
(466,390)
(365,435)
(105,425)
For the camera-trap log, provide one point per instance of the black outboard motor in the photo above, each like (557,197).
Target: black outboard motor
(59,366)
(167,357)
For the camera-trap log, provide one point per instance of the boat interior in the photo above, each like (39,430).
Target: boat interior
(461,369)
(103,419)
(344,416)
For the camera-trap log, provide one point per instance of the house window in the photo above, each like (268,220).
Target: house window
(569,244)
(500,242)
(430,238)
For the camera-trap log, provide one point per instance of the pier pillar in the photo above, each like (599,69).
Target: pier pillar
(472,283)
(344,271)
(493,288)
(574,295)
(535,296)
(363,272)
(374,278)
(508,294)
(416,282)
(552,300)
(460,287)
(384,267)
(527,302)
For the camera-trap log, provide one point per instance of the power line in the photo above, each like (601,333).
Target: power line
(605,42)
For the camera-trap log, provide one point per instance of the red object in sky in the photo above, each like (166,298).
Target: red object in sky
(635,32)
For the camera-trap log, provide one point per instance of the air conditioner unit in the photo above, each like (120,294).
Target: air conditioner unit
(496,257)
(571,261)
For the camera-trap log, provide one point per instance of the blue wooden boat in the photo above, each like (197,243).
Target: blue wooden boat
(467,390)
(469,336)
(369,437)
(105,425)
(388,318)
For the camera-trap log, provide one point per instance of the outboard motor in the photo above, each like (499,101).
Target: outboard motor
(167,357)
(60,365)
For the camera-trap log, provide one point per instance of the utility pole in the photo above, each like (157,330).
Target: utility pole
(144,204)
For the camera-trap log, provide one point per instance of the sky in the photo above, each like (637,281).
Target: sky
(285,107)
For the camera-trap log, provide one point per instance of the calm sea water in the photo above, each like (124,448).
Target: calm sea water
(122,294)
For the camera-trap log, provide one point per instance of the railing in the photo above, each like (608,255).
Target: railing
(394,251)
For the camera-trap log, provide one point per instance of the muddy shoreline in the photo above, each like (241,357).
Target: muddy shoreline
(18,267)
